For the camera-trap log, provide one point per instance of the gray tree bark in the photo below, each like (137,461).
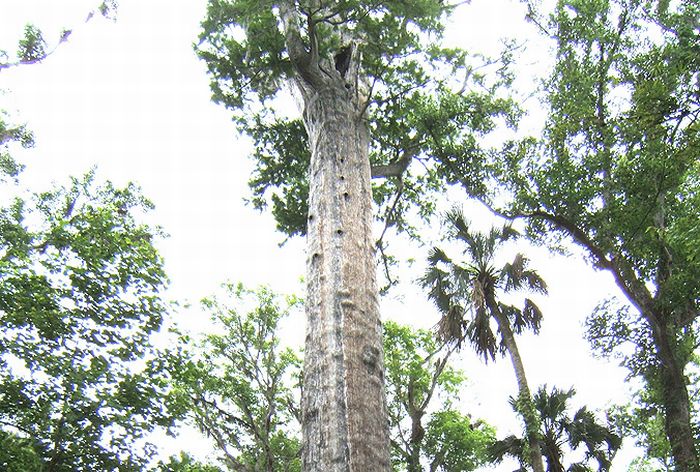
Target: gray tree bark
(345,425)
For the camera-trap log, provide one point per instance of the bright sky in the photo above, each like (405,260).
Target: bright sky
(131,98)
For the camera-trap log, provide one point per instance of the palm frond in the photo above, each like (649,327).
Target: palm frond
(437,281)
(512,273)
(508,232)
(481,335)
(534,282)
(511,446)
(518,276)
(459,226)
(452,326)
(530,317)
(553,404)
(437,255)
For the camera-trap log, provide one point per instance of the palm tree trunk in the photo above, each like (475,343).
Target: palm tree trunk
(525,405)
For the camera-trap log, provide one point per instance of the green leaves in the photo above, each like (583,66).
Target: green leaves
(455,442)
(422,100)
(418,373)
(239,386)
(32,47)
(79,297)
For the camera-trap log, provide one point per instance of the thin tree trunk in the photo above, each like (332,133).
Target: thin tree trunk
(344,425)
(416,440)
(524,395)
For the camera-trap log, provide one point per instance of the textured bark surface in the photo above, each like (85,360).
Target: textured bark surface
(677,405)
(345,424)
(674,389)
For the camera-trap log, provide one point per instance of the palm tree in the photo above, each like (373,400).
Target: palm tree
(474,288)
(559,430)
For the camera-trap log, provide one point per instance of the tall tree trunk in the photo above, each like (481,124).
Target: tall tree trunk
(673,384)
(524,396)
(676,402)
(344,422)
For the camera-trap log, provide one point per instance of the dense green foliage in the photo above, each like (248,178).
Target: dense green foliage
(185,463)
(241,387)
(238,386)
(79,298)
(616,171)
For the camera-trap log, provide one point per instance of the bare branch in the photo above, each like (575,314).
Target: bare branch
(65,34)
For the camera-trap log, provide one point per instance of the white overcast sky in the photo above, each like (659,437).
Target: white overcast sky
(131,98)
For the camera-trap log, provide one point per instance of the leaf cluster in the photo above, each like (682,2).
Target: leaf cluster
(238,385)
(618,159)
(80,283)
(421,383)
(562,434)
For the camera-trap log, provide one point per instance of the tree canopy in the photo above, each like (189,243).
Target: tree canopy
(80,283)
(616,172)
(422,100)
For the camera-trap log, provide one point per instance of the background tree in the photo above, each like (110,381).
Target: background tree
(617,172)
(184,463)
(79,298)
(238,385)
(11,134)
(241,388)
(559,430)
(418,373)
(476,287)
(363,73)
(615,331)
